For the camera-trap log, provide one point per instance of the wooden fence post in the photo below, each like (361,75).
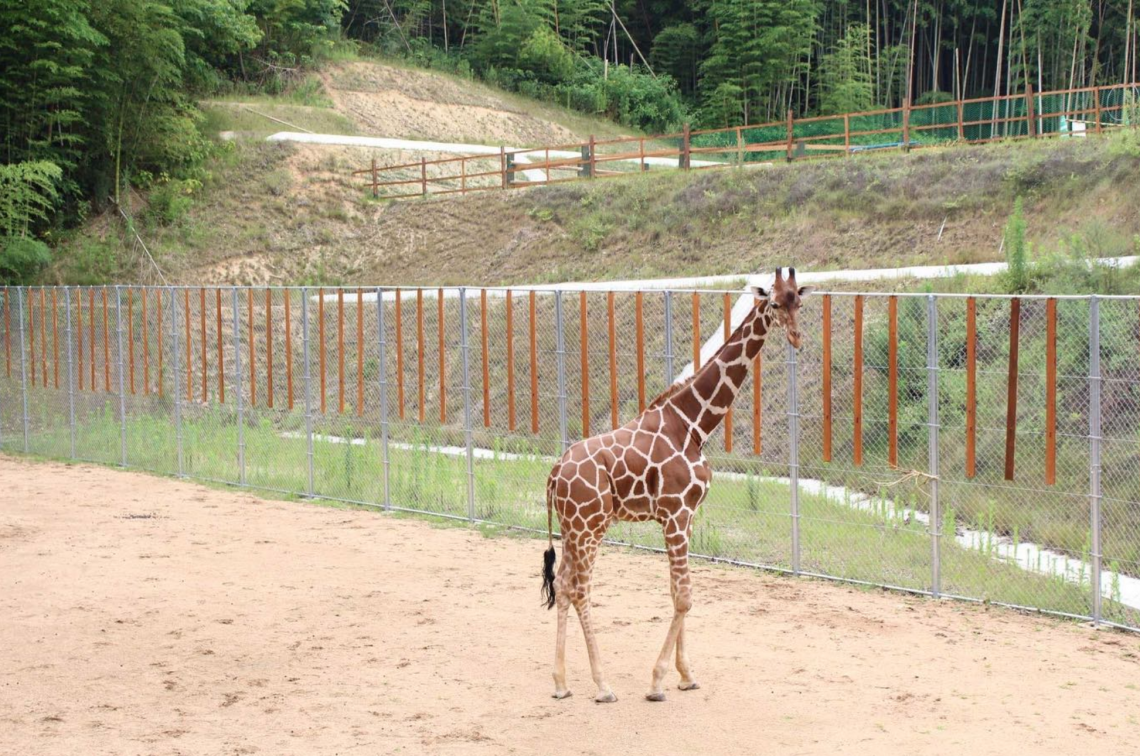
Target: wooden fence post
(790,115)
(961,131)
(509,176)
(423,176)
(1096,103)
(375,185)
(739,146)
(906,125)
(847,134)
(593,157)
(685,146)
(1029,114)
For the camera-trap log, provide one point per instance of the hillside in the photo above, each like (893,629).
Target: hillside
(283,213)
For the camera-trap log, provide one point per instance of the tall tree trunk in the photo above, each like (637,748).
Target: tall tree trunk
(997,72)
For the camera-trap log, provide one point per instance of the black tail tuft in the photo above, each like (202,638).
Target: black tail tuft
(548,577)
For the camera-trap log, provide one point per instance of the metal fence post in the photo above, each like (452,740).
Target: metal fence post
(932,430)
(70,369)
(383,397)
(122,394)
(463,348)
(175,352)
(23,363)
(561,351)
(794,456)
(308,394)
(238,399)
(1094,453)
(669,374)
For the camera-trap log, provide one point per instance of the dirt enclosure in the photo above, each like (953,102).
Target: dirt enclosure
(142,615)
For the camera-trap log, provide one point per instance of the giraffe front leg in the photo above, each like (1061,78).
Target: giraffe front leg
(678,548)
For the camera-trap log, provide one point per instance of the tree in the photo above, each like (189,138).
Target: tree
(845,75)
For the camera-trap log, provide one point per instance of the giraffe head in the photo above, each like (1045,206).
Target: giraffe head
(784,298)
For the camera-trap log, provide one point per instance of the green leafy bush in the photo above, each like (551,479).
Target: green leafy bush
(21,259)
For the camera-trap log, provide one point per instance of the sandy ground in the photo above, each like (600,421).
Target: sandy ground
(145,615)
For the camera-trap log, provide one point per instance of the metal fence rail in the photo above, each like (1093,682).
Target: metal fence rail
(985,448)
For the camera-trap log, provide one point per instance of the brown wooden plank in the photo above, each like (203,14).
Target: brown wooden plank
(640,325)
(91,338)
(131,338)
(696,332)
(893,382)
(857,375)
(202,318)
(146,343)
(420,351)
(727,334)
(826,377)
(442,360)
(268,348)
(8,328)
(613,360)
(221,347)
(321,339)
(189,348)
(584,343)
(43,337)
(106,347)
(1050,392)
(252,349)
(158,319)
(54,338)
(400,352)
(32,333)
(971,385)
(359,357)
(79,340)
(510,363)
(533,366)
(340,349)
(1011,384)
(486,366)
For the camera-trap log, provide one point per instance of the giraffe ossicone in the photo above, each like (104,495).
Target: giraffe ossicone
(652,468)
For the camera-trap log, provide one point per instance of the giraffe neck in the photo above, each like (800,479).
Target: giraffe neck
(704,402)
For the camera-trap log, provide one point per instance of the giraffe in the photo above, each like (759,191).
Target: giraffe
(651,468)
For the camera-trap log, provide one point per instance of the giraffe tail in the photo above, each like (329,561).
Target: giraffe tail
(548,556)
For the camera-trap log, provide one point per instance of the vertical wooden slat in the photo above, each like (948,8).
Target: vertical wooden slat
(696,332)
(727,334)
(106,347)
(161,334)
(189,349)
(131,335)
(533,366)
(269,348)
(288,350)
(8,329)
(857,371)
(91,339)
(486,367)
(510,362)
(54,338)
(826,377)
(640,326)
(1011,394)
(442,360)
(400,352)
(584,343)
(43,336)
(221,346)
(202,317)
(893,382)
(420,351)
(613,360)
(79,340)
(252,349)
(359,355)
(321,339)
(757,401)
(340,349)
(32,334)
(971,384)
(146,343)
(1051,392)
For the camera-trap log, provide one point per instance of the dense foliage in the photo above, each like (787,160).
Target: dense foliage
(98,95)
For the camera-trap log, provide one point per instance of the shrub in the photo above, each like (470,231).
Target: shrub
(22,258)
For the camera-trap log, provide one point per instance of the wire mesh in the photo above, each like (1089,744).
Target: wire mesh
(283,389)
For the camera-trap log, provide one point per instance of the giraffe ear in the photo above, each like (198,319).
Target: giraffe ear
(805,290)
(759,291)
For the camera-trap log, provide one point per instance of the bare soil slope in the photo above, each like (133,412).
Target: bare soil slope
(147,615)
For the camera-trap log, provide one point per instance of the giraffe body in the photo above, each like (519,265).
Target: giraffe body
(652,468)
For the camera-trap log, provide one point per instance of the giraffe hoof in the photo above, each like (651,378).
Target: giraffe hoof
(607,697)
(691,685)
(560,694)
(659,696)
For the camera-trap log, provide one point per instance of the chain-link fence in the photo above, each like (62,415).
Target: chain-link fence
(985,448)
